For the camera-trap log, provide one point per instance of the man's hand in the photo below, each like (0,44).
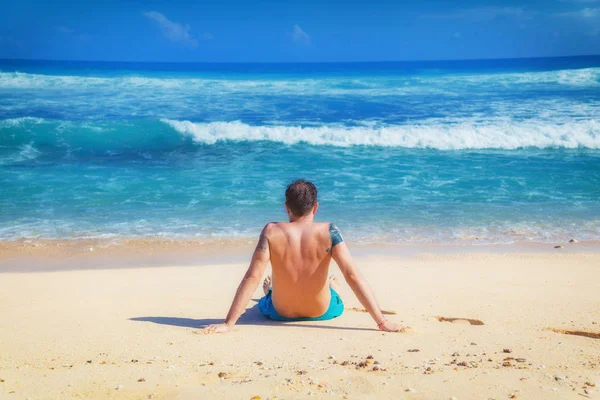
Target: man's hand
(217,328)
(388,326)
(361,289)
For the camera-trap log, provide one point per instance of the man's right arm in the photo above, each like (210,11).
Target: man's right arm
(247,286)
(360,287)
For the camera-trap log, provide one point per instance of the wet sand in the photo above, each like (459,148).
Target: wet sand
(485,325)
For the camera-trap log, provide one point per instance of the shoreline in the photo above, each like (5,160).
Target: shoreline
(37,255)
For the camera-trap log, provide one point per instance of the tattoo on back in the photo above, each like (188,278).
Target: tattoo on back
(263,244)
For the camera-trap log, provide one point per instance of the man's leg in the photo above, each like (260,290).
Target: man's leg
(267,284)
(333,283)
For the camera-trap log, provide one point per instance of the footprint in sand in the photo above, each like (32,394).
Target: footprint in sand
(592,335)
(460,320)
(363,310)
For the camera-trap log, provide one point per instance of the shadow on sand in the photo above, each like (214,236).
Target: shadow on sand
(252,316)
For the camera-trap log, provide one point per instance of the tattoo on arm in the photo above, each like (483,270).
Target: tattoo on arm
(263,244)
(335,236)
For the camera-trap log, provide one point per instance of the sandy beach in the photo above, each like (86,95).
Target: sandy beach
(129,332)
(453,147)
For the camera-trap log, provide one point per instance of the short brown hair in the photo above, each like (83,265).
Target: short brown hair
(300,197)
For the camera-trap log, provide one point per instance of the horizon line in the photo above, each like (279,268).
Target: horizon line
(300,62)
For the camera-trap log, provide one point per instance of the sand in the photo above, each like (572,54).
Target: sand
(128,333)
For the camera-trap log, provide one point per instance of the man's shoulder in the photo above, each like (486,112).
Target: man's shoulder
(329,226)
(273,227)
(325,230)
(270,226)
(284,225)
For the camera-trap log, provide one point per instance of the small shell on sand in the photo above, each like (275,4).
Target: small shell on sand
(142,380)
(573,240)
(507,351)
(255,398)
(558,247)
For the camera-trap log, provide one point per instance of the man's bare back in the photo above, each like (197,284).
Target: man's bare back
(300,252)
(300,256)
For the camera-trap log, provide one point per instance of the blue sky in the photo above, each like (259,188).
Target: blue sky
(275,30)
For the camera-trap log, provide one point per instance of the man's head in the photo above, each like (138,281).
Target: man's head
(301,198)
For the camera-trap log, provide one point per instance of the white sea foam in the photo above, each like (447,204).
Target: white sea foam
(27,152)
(567,77)
(145,86)
(368,85)
(18,122)
(465,135)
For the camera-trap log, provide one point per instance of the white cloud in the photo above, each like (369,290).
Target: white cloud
(64,29)
(594,32)
(299,36)
(580,1)
(486,13)
(11,41)
(174,31)
(585,13)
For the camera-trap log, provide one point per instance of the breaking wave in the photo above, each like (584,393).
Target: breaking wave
(167,135)
(465,135)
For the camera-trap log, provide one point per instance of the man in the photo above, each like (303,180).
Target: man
(300,252)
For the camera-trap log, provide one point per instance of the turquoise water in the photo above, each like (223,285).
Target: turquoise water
(430,152)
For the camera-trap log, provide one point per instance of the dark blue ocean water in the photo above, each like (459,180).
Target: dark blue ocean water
(412,152)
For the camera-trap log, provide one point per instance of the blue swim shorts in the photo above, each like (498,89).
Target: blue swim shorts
(336,308)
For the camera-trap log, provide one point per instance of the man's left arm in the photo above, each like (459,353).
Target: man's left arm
(247,286)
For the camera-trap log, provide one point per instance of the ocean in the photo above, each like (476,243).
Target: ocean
(436,152)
